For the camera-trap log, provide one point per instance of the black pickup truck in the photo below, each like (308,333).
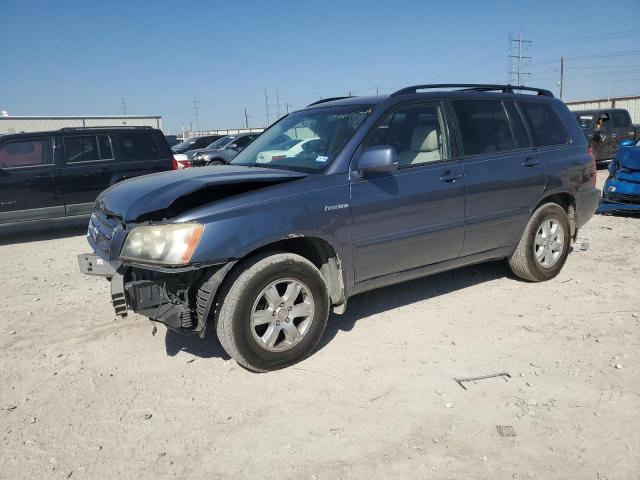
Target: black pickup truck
(605,129)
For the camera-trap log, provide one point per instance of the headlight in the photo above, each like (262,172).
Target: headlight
(171,244)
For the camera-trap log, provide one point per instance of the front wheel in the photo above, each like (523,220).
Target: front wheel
(274,311)
(544,246)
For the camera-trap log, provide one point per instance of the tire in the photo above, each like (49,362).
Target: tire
(524,262)
(243,299)
(215,162)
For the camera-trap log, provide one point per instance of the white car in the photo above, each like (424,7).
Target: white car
(290,148)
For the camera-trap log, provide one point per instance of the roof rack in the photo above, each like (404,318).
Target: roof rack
(330,99)
(112,127)
(477,87)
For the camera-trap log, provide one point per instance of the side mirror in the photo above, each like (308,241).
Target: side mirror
(379,159)
(234,146)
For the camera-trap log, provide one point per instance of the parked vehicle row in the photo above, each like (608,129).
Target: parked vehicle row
(389,188)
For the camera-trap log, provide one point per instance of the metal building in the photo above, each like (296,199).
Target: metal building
(9,124)
(632,104)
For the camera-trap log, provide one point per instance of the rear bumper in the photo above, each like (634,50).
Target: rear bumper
(586,205)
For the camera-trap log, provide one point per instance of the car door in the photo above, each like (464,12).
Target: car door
(414,216)
(606,146)
(29,188)
(89,167)
(504,176)
(622,126)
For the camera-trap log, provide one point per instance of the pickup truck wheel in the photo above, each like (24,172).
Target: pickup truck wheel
(544,246)
(273,311)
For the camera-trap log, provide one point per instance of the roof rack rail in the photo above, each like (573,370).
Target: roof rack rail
(477,87)
(111,127)
(329,99)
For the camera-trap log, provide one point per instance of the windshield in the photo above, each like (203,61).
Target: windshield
(584,120)
(219,143)
(330,128)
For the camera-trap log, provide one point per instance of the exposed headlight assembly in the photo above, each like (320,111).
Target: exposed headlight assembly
(171,244)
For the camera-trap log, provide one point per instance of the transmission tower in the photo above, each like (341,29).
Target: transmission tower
(196,108)
(518,59)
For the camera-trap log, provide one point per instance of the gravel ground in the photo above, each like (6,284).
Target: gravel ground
(86,395)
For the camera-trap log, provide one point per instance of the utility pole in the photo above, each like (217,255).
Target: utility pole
(123,106)
(277,104)
(286,106)
(266,106)
(246,119)
(518,57)
(561,75)
(196,104)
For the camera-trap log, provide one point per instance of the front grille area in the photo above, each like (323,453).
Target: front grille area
(621,198)
(100,232)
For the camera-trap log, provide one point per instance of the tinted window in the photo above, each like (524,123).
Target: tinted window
(621,119)
(415,132)
(81,149)
(243,141)
(104,145)
(484,127)
(26,153)
(139,146)
(544,124)
(517,126)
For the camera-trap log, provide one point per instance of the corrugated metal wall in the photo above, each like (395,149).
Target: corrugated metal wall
(631,104)
(39,124)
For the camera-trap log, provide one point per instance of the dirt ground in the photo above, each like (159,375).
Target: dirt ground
(86,395)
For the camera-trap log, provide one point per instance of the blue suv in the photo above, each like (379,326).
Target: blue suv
(394,187)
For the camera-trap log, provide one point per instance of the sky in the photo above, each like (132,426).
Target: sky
(84,57)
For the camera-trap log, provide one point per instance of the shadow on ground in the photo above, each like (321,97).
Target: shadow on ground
(360,307)
(207,347)
(43,230)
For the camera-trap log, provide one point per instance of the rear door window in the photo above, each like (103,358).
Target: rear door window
(484,127)
(621,119)
(139,146)
(544,124)
(104,147)
(81,149)
(26,153)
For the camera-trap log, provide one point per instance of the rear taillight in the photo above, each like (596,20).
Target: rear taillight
(278,157)
(180,161)
(593,167)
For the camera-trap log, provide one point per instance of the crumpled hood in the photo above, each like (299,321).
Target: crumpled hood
(629,157)
(135,198)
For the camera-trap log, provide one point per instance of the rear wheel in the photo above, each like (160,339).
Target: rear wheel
(216,162)
(274,310)
(544,246)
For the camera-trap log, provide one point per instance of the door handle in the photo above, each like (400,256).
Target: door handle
(531,162)
(104,170)
(44,175)
(449,176)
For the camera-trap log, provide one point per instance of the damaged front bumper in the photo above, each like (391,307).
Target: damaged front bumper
(182,299)
(619,196)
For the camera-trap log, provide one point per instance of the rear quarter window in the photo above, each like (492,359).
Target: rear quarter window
(545,125)
(139,146)
(621,119)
